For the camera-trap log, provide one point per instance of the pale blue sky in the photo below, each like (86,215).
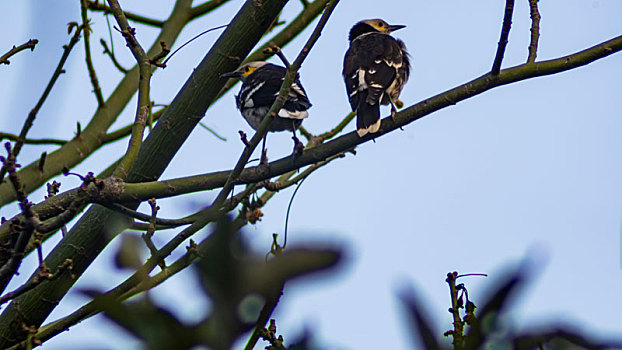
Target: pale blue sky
(526,170)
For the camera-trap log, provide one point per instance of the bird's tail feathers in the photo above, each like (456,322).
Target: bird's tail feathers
(368,118)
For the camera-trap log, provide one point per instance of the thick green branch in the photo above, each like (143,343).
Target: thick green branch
(99,225)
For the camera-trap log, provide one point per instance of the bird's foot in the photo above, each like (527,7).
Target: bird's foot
(298,147)
(264,157)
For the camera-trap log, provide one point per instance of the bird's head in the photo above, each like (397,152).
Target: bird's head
(372,25)
(244,70)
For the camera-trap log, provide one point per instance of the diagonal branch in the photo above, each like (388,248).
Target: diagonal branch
(144,102)
(30,44)
(113,58)
(503,40)
(535,30)
(86,25)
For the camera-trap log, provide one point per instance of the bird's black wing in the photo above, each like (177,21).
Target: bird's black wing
(263,85)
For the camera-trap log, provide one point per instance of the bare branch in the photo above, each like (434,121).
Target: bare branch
(13,137)
(24,228)
(96,6)
(535,30)
(87,53)
(30,44)
(110,54)
(503,40)
(33,113)
(144,102)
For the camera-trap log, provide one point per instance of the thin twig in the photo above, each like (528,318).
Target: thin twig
(43,275)
(151,230)
(86,25)
(264,316)
(33,113)
(275,50)
(26,226)
(210,130)
(144,102)
(30,44)
(148,218)
(13,137)
(110,54)
(503,40)
(535,30)
(96,6)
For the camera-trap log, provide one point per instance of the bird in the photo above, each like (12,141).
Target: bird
(375,69)
(261,82)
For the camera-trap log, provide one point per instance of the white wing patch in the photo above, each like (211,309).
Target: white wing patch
(283,113)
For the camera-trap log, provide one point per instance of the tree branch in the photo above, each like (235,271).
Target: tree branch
(535,30)
(86,25)
(13,137)
(99,225)
(144,102)
(96,6)
(110,54)
(290,77)
(30,44)
(205,8)
(503,40)
(33,112)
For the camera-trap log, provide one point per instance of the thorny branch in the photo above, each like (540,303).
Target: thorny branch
(30,44)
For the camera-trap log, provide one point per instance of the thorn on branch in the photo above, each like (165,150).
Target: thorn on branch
(78,130)
(42,161)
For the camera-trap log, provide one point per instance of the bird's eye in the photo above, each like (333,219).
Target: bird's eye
(380,25)
(246,69)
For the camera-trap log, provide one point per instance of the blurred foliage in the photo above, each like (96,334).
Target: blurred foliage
(238,284)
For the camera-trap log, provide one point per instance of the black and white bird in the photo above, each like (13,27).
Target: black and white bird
(375,69)
(261,82)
